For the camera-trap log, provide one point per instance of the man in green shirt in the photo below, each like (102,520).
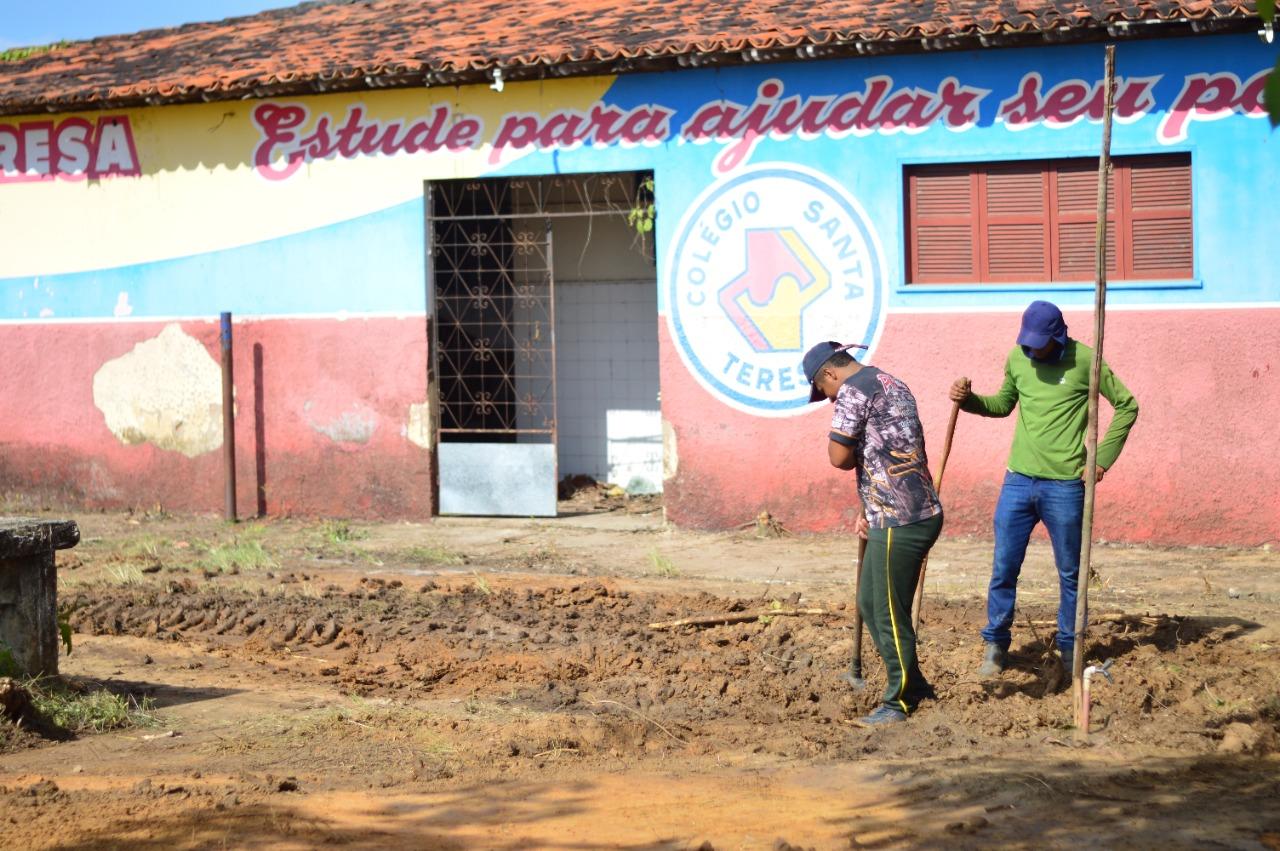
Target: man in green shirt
(1046,377)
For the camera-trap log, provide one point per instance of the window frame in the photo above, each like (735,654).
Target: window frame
(1120,215)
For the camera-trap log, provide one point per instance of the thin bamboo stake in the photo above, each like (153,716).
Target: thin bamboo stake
(1091,435)
(735,617)
(856,672)
(942,471)
(1117,617)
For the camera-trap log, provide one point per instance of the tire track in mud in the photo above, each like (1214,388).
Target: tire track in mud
(585,648)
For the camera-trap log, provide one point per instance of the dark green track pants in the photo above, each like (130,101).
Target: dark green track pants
(890,571)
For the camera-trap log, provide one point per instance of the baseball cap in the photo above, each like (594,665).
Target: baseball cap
(816,357)
(1041,322)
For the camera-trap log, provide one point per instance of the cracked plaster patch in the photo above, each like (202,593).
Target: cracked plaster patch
(670,457)
(419,429)
(167,391)
(355,425)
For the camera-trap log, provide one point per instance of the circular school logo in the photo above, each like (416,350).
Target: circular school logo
(766,264)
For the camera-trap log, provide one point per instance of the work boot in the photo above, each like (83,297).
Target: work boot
(880,716)
(1068,660)
(993,660)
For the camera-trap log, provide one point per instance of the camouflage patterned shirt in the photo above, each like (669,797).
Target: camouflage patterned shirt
(875,414)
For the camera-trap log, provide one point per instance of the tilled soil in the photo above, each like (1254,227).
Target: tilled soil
(544,711)
(584,650)
(472,683)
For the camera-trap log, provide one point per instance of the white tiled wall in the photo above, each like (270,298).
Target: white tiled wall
(607,360)
(634,447)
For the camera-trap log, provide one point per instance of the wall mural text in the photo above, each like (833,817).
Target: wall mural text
(291,136)
(70,149)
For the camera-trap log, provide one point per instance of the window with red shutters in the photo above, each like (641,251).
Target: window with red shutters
(1033,221)
(1074,187)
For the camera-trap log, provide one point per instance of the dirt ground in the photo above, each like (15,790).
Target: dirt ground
(469,683)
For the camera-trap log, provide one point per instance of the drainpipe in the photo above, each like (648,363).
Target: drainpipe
(1084,692)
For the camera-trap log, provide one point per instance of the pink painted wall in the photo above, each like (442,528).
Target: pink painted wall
(1198,467)
(56,443)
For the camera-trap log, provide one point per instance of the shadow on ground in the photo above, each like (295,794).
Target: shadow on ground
(1217,801)
(519,816)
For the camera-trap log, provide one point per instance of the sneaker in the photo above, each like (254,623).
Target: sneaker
(880,716)
(993,660)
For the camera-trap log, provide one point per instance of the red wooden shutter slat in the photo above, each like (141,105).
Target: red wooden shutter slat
(1016,252)
(912,229)
(1162,182)
(1162,248)
(1160,217)
(944,191)
(1077,251)
(1076,191)
(946,252)
(942,240)
(1016,222)
(1034,221)
(1077,185)
(1016,190)
(1120,241)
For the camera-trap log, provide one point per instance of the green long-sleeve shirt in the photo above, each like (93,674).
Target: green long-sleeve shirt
(1053,412)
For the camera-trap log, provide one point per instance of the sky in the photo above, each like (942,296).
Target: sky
(24,23)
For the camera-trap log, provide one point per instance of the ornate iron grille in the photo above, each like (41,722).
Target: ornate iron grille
(495,314)
(542,197)
(491,271)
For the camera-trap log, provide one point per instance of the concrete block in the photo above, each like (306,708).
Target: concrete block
(28,590)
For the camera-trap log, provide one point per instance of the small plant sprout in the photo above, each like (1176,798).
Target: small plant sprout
(662,566)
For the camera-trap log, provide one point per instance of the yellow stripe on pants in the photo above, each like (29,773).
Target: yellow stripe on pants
(893,621)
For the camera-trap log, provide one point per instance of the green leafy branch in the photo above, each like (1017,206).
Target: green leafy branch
(642,214)
(64,626)
(1271,91)
(64,631)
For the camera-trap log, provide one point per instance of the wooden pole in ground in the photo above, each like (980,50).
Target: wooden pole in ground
(942,470)
(856,672)
(1095,374)
(228,420)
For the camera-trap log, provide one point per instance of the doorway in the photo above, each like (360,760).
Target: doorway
(545,350)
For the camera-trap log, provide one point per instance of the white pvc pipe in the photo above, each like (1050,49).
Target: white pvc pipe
(1084,698)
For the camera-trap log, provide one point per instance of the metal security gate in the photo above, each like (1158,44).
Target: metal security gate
(494,364)
(491,276)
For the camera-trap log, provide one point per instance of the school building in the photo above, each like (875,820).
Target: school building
(472,249)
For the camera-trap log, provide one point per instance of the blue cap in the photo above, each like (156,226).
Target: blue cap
(1041,323)
(816,357)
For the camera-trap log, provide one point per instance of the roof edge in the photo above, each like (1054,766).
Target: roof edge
(359,79)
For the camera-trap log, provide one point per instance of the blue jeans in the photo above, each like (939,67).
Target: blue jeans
(1025,501)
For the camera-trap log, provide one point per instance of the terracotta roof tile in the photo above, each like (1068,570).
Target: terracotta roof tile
(363,43)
